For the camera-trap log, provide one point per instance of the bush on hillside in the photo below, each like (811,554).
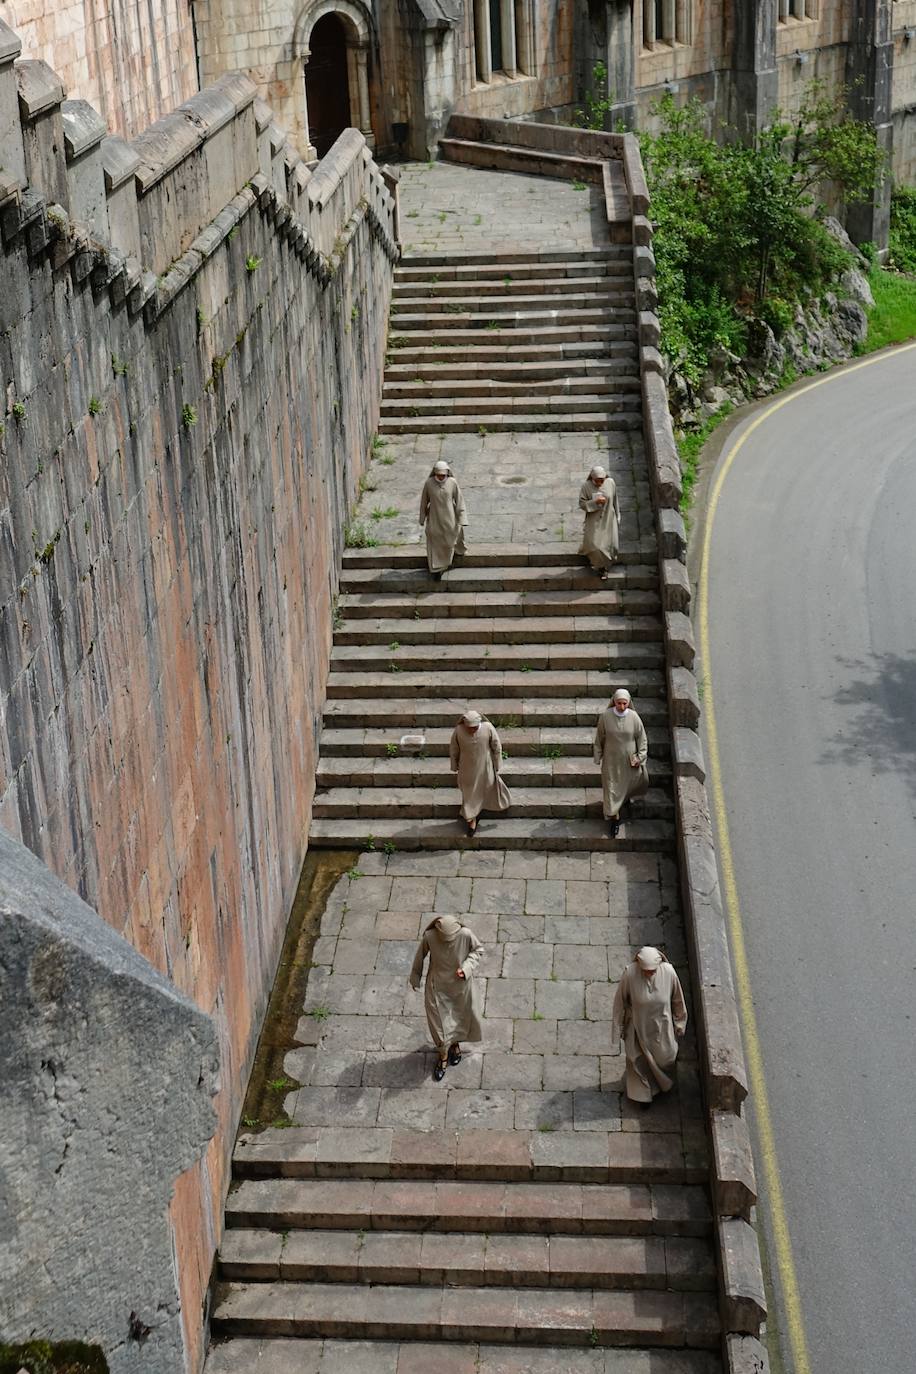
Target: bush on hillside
(903,229)
(736,234)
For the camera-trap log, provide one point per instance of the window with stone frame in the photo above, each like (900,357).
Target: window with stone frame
(502,39)
(667,23)
(797,10)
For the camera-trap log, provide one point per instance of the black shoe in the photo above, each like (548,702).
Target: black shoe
(454,1055)
(439,1071)
(614,827)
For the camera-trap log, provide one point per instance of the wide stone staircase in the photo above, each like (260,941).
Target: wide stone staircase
(498,341)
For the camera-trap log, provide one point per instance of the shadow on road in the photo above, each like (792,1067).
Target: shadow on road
(881,730)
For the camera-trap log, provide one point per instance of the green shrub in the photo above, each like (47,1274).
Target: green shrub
(903,229)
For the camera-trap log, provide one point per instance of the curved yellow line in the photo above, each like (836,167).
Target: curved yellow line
(782,1244)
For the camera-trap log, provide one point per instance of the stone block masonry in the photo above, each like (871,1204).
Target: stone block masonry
(191,345)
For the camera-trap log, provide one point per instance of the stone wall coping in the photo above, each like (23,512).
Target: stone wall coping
(84,127)
(119,161)
(10,44)
(40,88)
(263,114)
(334,166)
(171,139)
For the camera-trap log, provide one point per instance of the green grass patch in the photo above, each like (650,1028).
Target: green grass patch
(690,446)
(893,319)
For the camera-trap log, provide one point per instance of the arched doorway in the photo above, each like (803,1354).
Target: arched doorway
(327,83)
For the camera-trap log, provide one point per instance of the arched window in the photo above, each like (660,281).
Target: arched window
(502,39)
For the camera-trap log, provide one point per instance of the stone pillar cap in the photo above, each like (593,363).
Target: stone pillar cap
(10,44)
(119,162)
(84,127)
(40,87)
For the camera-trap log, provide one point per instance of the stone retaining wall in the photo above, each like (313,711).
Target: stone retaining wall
(192,330)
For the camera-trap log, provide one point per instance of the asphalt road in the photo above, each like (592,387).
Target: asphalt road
(812,667)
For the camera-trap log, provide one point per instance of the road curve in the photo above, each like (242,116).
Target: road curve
(811,611)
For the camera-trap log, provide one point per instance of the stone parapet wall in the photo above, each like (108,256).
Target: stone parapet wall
(192,331)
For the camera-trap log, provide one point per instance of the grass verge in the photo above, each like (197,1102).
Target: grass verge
(893,319)
(690,446)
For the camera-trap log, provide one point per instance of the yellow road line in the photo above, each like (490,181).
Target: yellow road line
(785,1263)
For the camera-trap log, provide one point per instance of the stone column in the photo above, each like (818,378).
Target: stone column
(668,21)
(621,43)
(682,22)
(482,40)
(869,74)
(309,151)
(754,89)
(507,24)
(365,107)
(648,23)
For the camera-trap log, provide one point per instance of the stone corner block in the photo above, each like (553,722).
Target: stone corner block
(675,585)
(40,87)
(642,231)
(649,329)
(679,636)
(735,1181)
(652,361)
(84,127)
(743,1298)
(10,44)
(683,697)
(643,261)
(689,760)
(745,1355)
(672,534)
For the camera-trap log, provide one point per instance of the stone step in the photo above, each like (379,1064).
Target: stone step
(514,334)
(603,422)
(510,604)
(243,1355)
(506,686)
(495,555)
(440,712)
(612,630)
(457,272)
(510,352)
(367,1204)
(583,1317)
(469,1259)
(441,803)
(548,834)
(482,318)
(404,770)
(357,658)
(471,1154)
(496,257)
(432,369)
(569,742)
(420,391)
(536,407)
(493,578)
(514,295)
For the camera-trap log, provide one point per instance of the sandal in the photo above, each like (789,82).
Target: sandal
(439,1070)
(454,1054)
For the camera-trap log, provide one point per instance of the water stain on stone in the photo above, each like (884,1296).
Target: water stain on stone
(263,1103)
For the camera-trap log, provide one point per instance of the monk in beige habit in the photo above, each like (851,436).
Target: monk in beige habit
(452,994)
(621,748)
(598,498)
(442,512)
(650,1016)
(476,755)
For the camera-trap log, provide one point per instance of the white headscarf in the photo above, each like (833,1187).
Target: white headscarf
(441,466)
(597,471)
(649,958)
(471,718)
(447,926)
(619,693)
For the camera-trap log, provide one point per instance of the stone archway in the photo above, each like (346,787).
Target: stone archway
(341,31)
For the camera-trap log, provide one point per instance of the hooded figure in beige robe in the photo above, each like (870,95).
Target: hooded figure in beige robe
(650,1015)
(442,512)
(476,755)
(598,498)
(452,995)
(621,748)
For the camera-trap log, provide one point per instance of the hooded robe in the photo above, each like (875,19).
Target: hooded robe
(442,512)
(600,537)
(452,1003)
(617,739)
(477,759)
(647,1011)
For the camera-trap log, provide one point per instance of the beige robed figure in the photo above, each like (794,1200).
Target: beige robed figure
(452,994)
(443,514)
(598,498)
(476,754)
(650,1017)
(621,748)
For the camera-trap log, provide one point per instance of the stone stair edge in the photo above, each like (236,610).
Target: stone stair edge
(508,555)
(554,834)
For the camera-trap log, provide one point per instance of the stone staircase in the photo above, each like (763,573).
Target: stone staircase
(537,643)
(506,1260)
(507,340)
